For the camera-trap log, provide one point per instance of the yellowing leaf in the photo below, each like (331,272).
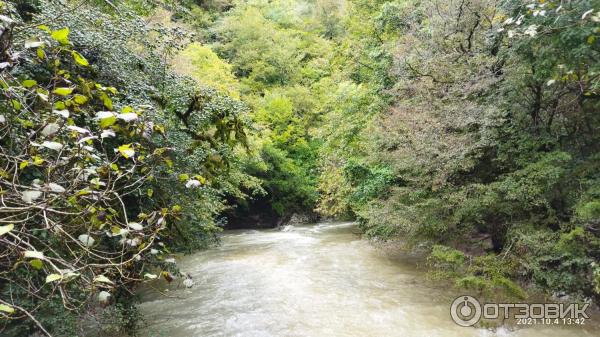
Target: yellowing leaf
(80,99)
(37,160)
(29,83)
(6,308)
(41,54)
(60,105)
(107,101)
(63,91)
(6,229)
(61,35)
(200,178)
(23,164)
(126,150)
(53,277)
(79,59)
(108,121)
(37,264)
(16,104)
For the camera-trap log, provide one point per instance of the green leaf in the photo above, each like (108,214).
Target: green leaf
(80,99)
(41,54)
(37,264)
(6,308)
(16,104)
(79,59)
(29,83)
(53,277)
(150,192)
(44,28)
(23,164)
(6,229)
(63,91)
(184,177)
(61,35)
(108,121)
(107,101)
(591,39)
(60,105)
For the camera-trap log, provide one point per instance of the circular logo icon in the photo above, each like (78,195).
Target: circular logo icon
(465,310)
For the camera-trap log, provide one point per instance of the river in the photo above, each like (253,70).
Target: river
(315,280)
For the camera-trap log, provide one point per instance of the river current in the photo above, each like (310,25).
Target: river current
(313,280)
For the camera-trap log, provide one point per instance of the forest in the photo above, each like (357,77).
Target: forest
(135,131)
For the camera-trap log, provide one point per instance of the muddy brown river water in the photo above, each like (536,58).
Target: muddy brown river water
(316,280)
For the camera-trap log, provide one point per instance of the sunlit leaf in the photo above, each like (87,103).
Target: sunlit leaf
(79,59)
(80,99)
(6,308)
(61,35)
(16,104)
(37,160)
(41,54)
(44,28)
(126,151)
(63,91)
(33,254)
(29,83)
(7,228)
(53,277)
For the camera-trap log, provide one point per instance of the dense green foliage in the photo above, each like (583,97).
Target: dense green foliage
(468,128)
(489,144)
(110,163)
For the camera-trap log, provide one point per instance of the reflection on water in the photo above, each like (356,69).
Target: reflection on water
(318,280)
